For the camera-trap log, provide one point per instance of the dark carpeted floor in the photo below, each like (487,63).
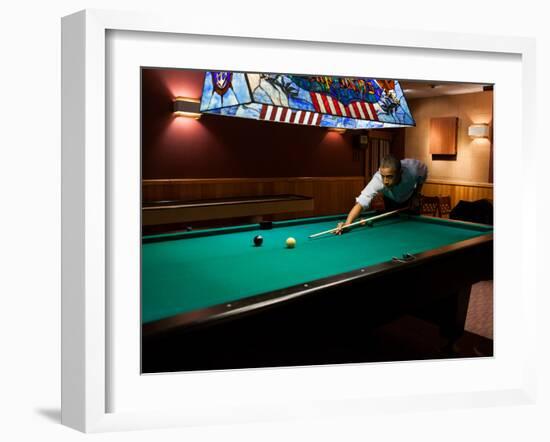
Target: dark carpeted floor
(410,338)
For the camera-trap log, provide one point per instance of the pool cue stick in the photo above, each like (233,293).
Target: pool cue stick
(383,215)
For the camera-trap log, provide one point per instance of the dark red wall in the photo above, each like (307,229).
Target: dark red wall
(227,147)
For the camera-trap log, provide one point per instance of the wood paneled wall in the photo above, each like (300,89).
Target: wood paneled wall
(473,158)
(458,190)
(331,195)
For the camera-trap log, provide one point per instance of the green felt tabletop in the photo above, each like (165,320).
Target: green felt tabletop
(193,270)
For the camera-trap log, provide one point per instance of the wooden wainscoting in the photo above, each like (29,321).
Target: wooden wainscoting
(458,190)
(332,195)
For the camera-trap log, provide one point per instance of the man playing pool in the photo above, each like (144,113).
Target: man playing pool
(399,182)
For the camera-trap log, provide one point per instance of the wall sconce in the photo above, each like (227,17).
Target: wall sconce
(479,130)
(339,130)
(187,107)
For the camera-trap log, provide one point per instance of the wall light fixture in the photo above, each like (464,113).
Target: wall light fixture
(187,107)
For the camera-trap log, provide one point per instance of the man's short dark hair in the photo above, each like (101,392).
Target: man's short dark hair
(390,162)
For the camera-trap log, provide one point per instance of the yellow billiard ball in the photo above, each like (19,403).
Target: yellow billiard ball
(290,242)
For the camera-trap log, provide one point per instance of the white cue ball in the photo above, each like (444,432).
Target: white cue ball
(290,242)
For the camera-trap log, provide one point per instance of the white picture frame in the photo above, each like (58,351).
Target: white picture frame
(87,206)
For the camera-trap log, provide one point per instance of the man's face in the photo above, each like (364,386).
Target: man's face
(390,177)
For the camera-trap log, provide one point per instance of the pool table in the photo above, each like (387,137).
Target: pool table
(212,299)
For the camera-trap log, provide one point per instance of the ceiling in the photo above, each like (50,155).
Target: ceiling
(424,89)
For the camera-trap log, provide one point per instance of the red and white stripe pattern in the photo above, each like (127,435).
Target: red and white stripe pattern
(286,115)
(358,110)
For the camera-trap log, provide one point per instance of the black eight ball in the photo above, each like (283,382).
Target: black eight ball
(258,240)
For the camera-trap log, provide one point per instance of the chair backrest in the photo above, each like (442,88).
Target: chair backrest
(480,211)
(444,206)
(429,205)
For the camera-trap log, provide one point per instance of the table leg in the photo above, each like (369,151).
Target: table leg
(453,317)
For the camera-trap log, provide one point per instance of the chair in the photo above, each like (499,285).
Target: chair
(479,211)
(429,205)
(444,206)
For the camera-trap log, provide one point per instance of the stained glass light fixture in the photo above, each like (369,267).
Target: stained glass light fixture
(331,102)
